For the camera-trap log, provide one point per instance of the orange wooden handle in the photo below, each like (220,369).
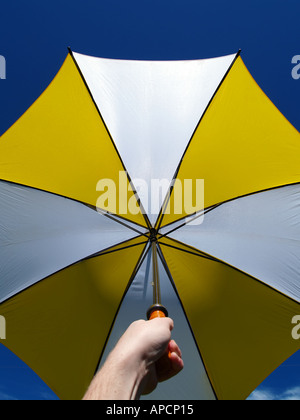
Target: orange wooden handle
(157,311)
(157,314)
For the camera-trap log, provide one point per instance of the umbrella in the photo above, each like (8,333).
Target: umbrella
(132,183)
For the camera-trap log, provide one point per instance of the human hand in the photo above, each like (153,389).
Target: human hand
(159,359)
(143,357)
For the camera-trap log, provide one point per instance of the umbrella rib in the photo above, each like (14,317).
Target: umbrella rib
(99,254)
(197,215)
(50,192)
(164,206)
(111,139)
(165,265)
(114,217)
(113,249)
(208,209)
(198,254)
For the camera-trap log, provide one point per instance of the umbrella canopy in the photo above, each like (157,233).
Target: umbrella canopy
(91,214)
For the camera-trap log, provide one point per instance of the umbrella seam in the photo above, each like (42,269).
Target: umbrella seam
(69,266)
(111,139)
(164,206)
(92,208)
(207,256)
(208,209)
(133,275)
(166,268)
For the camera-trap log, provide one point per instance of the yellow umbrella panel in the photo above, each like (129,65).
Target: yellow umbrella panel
(60,325)
(61,145)
(242,327)
(242,145)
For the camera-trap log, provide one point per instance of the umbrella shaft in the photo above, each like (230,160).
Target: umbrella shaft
(156,282)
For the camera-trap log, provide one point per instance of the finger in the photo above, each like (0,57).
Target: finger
(175,356)
(167,321)
(174,348)
(171,324)
(169,366)
(177,362)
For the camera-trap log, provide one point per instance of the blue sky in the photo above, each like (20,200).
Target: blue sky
(34,36)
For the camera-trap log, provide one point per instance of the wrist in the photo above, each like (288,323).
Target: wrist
(128,371)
